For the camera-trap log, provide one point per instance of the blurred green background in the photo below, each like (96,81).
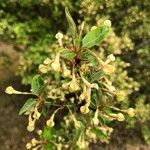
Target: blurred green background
(27,30)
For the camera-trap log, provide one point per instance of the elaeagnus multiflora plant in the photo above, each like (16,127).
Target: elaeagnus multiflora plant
(74,93)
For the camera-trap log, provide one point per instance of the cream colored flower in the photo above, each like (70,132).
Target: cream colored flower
(11,90)
(108,69)
(43,68)
(95,120)
(73,84)
(59,37)
(66,72)
(131,112)
(47,61)
(120,95)
(120,117)
(56,64)
(110,58)
(84,109)
(107,23)
(28,146)
(51,122)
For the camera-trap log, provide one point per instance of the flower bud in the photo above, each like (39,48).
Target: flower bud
(95,120)
(120,117)
(110,58)
(120,95)
(28,146)
(93,28)
(84,109)
(43,68)
(34,142)
(30,128)
(47,61)
(66,72)
(107,23)
(39,132)
(59,35)
(131,112)
(51,122)
(108,69)
(56,64)
(11,90)
(73,85)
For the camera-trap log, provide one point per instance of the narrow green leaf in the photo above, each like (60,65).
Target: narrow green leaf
(30,103)
(67,54)
(72,25)
(95,36)
(37,84)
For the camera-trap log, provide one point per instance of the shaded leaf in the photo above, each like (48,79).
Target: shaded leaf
(30,103)
(95,36)
(72,25)
(68,54)
(37,84)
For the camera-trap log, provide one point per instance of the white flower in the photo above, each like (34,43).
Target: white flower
(110,58)
(51,122)
(84,109)
(59,37)
(107,23)
(11,90)
(120,117)
(56,64)
(43,68)
(131,112)
(47,61)
(73,84)
(28,146)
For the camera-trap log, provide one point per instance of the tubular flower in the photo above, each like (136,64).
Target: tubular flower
(85,109)
(59,37)
(87,89)
(73,86)
(110,58)
(51,122)
(131,112)
(31,123)
(11,90)
(47,61)
(66,72)
(120,117)
(56,64)
(36,114)
(28,146)
(43,68)
(95,120)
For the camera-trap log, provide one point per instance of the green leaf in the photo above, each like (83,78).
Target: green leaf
(96,75)
(37,84)
(47,133)
(78,132)
(30,103)
(67,54)
(72,25)
(95,36)
(99,133)
(49,146)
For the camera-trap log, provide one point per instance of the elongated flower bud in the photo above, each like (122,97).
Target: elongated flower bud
(11,90)
(51,122)
(43,68)
(73,84)
(56,64)
(120,117)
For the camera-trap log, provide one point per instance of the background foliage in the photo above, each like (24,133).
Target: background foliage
(31,25)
